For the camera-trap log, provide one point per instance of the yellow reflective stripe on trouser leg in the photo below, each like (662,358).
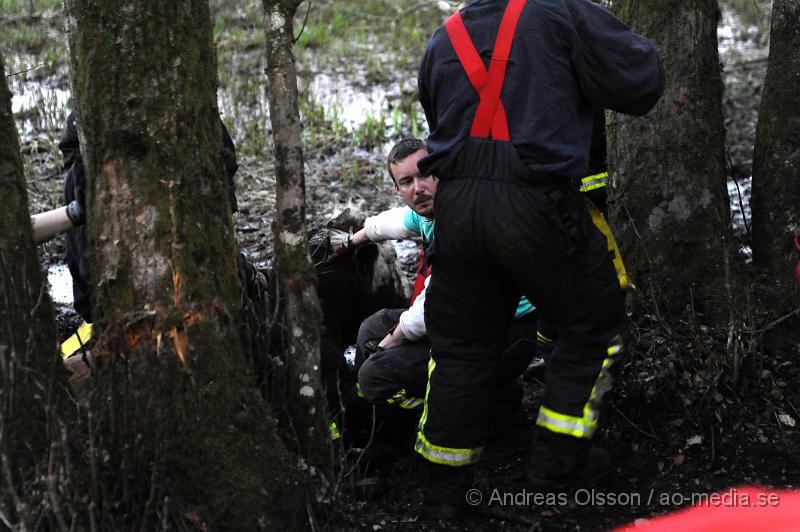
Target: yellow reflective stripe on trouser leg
(600,222)
(583,427)
(446,455)
(424,418)
(594,181)
(81,337)
(436,453)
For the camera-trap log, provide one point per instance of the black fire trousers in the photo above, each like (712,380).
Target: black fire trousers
(400,374)
(501,232)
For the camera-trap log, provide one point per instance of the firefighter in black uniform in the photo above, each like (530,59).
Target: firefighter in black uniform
(509,106)
(595,188)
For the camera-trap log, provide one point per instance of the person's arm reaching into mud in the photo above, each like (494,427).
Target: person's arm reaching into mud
(384,226)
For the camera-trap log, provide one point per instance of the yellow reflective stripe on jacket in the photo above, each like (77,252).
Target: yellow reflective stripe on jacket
(542,338)
(600,222)
(582,427)
(594,181)
(71,345)
(446,455)
(404,401)
(358,390)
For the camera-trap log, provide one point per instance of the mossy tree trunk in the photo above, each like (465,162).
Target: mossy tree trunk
(776,160)
(670,204)
(32,381)
(305,398)
(177,430)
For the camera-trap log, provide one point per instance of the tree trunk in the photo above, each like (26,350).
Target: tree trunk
(177,430)
(776,161)
(671,204)
(305,399)
(32,381)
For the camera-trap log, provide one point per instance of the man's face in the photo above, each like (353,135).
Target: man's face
(416,190)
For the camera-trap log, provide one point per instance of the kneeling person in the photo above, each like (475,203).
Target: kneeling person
(392,347)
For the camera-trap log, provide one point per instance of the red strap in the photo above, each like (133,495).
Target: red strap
(490,117)
(422,273)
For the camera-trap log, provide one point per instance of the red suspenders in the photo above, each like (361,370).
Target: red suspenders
(490,117)
(422,272)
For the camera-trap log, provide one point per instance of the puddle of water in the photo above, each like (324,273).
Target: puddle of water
(60,282)
(33,94)
(41,108)
(39,97)
(352,104)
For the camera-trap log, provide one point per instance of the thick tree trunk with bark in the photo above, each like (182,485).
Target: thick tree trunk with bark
(671,205)
(305,397)
(776,160)
(32,381)
(177,430)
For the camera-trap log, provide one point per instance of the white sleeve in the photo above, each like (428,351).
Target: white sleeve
(412,321)
(388,225)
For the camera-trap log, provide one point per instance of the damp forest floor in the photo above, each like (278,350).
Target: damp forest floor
(696,411)
(680,426)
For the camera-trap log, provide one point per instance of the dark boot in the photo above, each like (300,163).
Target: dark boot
(558,461)
(445,490)
(535,370)
(505,406)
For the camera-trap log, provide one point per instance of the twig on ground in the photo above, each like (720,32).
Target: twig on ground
(795,312)
(730,390)
(634,425)
(793,409)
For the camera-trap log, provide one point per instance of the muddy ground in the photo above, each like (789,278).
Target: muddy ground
(678,426)
(697,410)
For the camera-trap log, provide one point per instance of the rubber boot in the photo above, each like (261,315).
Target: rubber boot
(445,490)
(558,461)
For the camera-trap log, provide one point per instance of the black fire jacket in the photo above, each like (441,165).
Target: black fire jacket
(566,57)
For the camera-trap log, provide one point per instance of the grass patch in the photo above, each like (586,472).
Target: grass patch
(28,7)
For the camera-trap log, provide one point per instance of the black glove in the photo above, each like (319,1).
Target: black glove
(75,213)
(75,191)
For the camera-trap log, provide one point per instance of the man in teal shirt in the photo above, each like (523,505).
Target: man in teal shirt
(392,346)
